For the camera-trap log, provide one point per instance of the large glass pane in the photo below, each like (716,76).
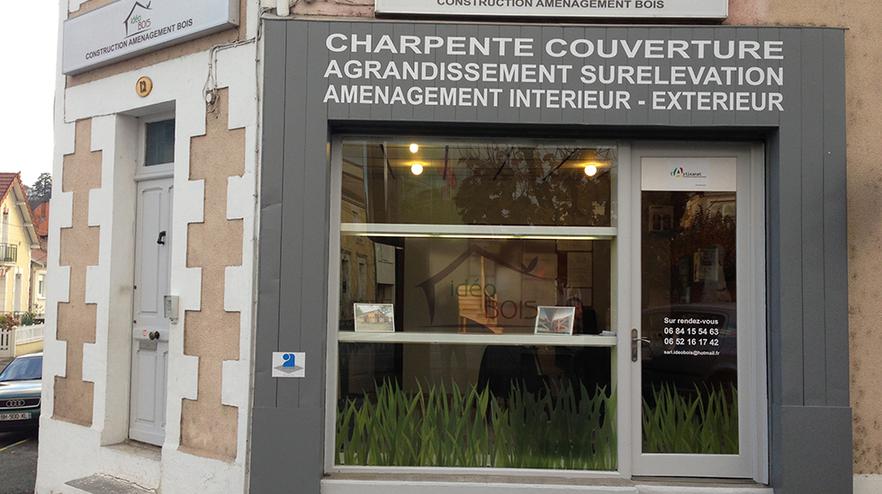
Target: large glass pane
(413,261)
(690,367)
(159,143)
(461,183)
(482,286)
(475,406)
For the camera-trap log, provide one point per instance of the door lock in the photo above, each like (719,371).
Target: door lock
(154,335)
(636,340)
(161,239)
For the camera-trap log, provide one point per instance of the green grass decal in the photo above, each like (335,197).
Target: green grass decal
(450,427)
(702,422)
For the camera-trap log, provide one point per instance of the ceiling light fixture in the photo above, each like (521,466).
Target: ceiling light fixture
(416,169)
(591,170)
(414,148)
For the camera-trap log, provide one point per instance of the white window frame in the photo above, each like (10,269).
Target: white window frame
(623,235)
(162,170)
(335,337)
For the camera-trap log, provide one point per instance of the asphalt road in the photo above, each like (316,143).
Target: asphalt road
(18,462)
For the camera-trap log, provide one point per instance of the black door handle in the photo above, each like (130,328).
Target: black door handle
(154,336)
(161,239)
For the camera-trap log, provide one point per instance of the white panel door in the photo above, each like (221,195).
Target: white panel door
(696,341)
(150,327)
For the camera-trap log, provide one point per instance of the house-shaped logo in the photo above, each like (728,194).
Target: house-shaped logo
(138,19)
(429,286)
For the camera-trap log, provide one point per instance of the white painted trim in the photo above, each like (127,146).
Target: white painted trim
(332,362)
(623,276)
(629,396)
(478,231)
(604,340)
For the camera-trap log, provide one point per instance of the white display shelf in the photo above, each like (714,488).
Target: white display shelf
(479,231)
(602,340)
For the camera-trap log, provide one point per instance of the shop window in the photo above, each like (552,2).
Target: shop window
(159,142)
(479,332)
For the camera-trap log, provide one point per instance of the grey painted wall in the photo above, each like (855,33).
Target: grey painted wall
(810,418)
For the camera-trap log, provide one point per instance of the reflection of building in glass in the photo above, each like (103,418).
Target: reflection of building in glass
(709,204)
(367,268)
(698,248)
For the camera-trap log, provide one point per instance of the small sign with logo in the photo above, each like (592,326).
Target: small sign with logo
(680,9)
(127,28)
(289,364)
(689,174)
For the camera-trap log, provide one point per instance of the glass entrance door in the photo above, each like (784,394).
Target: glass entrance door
(694,348)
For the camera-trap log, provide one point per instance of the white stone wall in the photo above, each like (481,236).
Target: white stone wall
(68,451)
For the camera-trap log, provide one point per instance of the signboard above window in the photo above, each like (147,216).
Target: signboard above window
(127,28)
(670,9)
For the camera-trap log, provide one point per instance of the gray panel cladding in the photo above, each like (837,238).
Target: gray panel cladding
(785,83)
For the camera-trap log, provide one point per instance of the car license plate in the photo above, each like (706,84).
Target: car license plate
(6,417)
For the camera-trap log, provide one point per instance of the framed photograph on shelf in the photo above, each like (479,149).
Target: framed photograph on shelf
(374,318)
(555,320)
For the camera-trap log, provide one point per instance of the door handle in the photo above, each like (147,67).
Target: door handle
(154,336)
(161,239)
(636,340)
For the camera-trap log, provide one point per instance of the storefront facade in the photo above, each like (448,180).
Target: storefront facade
(379,247)
(441,163)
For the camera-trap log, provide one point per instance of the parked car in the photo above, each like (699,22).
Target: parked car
(20,385)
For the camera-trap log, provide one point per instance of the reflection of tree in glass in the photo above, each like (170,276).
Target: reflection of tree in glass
(701,226)
(530,186)
(669,257)
(711,230)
